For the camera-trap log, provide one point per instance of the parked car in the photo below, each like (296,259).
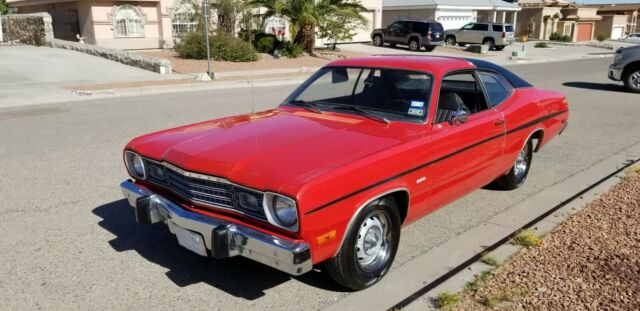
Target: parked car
(494,35)
(626,68)
(634,38)
(414,34)
(362,148)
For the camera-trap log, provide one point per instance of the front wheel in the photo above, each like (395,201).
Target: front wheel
(632,80)
(451,40)
(377,40)
(520,169)
(369,247)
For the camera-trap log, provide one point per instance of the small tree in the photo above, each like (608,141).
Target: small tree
(340,26)
(4,8)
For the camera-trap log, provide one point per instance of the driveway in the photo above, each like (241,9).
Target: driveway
(69,240)
(34,75)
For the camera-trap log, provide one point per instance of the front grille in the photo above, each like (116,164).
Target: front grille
(215,193)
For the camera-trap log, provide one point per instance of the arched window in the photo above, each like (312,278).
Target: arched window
(184,18)
(128,22)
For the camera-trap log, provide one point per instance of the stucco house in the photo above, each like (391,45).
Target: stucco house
(140,24)
(452,14)
(627,11)
(540,18)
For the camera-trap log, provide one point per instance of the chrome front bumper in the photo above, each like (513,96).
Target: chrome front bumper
(218,237)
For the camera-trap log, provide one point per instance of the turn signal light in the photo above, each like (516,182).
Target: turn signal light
(326,237)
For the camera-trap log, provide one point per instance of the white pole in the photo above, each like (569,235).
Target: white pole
(206,35)
(1,38)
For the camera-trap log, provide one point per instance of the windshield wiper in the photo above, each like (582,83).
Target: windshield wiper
(306,105)
(364,112)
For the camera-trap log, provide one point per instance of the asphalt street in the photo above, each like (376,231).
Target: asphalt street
(70,242)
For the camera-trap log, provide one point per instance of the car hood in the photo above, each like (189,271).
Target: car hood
(273,149)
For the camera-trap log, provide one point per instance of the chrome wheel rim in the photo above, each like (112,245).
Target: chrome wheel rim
(520,167)
(377,40)
(635,79)
(413,45)
(489,43)
(372,245)
(450,41)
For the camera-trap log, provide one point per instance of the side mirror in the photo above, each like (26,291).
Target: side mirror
(460,116)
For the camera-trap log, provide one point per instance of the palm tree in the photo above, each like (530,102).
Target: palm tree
(304,15)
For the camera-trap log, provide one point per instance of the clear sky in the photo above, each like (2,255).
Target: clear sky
(606,1)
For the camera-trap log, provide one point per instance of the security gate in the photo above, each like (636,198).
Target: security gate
(65,25)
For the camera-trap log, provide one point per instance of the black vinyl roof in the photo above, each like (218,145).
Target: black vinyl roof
(515,81)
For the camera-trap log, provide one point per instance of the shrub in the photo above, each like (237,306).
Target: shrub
(541,45)
(265,43)
(558,37)
(601,38)
(446,301)
(526,238)
(222,47)
(289,49)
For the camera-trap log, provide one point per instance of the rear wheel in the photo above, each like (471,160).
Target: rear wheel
(414,45)
(377,40)
(489,43)
(369,247)
(632,80)
(451,40)
(520,169)
(499,47)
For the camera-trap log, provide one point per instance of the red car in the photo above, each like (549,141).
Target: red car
(362,148)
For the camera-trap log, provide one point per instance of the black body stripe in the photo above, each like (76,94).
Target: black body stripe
(522,127)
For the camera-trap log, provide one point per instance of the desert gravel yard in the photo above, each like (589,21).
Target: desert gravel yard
(590,262)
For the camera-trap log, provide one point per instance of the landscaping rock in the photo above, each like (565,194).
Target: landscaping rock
(203,77)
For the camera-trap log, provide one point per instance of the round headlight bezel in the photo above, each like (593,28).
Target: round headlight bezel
(276,207)
(135,165)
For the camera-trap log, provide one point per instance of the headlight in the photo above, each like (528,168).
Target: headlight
(135,165)
(285,210)
(281,211)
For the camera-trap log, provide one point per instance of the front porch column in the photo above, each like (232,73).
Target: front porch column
(495,13)
(165,26)
(554,25)
(504,16)
(513,20)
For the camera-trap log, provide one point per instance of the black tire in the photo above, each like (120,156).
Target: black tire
(429,48)
(451,40)
(499,47)
(377,40)
(414,45)
(461,44)
(514,179)
(346,268)
(632,80)
(489,43)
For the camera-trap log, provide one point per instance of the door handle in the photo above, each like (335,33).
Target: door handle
(499,122)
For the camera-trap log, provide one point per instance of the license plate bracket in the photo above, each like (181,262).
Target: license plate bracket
(188,239)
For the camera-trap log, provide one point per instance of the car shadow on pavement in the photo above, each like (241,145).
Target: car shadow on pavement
(237,276)
(596,86)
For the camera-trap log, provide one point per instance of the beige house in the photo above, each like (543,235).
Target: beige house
(540,18)
(628,11)
(140,24)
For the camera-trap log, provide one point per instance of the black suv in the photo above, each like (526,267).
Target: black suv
(415,34)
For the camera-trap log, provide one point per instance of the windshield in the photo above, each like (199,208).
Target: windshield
(393,94)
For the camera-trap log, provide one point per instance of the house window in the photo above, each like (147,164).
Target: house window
(184,19)
(128,22)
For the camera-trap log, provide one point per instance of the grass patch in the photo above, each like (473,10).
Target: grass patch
(541,44)
(479,279)
(526,238)
(490,260)
(446,300)
(510,295)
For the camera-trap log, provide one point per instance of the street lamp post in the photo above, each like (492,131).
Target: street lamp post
(206,36)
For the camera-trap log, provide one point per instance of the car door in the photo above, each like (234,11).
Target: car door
(396,32)
(463,33)
(466,155)
(478,32)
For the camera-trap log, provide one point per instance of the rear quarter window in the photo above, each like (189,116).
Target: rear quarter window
(508,28)
(497,89)
(497,28)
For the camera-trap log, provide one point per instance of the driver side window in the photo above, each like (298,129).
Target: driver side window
(467,26)
(459,91)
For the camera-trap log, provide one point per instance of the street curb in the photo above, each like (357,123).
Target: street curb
(412,276)
(263,72)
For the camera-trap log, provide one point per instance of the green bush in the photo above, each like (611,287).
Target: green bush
(265,43)
(558,37)
(289,49)
(601,38)
(541,44)
(222,47)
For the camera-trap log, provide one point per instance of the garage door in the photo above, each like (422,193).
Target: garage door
(584,31)
(364,33)
(617,32)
